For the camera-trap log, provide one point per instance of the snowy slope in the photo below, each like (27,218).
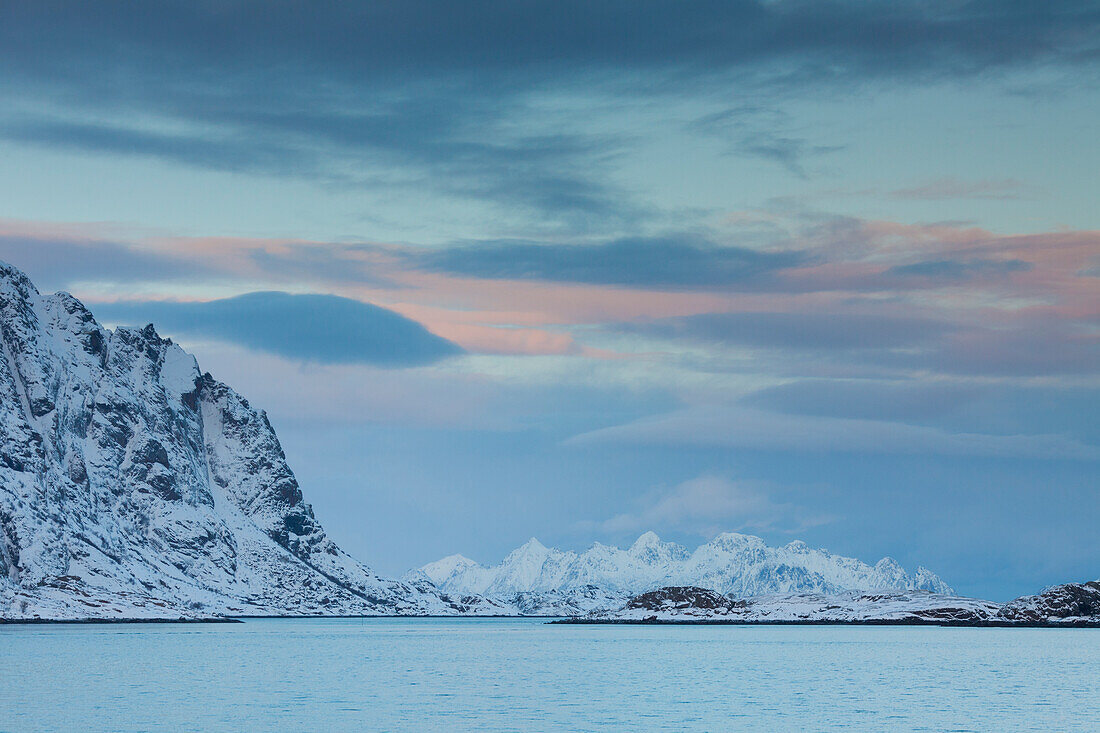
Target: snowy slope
(1072,604)
(737,564)
(132,485)
(700,604)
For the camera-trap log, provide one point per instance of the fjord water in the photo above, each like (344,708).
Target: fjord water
(521,674)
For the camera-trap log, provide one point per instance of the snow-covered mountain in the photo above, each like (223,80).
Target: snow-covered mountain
(734,564)
(132,485)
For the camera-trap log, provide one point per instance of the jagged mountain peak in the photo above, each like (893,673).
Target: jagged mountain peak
(458,560)
(532,546)
(735,541)
(12,276)
(447,566)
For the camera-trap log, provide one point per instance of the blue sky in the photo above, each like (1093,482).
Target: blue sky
(503,269)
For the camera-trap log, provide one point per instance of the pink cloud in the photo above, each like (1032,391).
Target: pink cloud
(852,268)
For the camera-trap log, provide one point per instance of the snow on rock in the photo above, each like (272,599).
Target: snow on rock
(133,486)
(1058,604)
(534,576)
(688,604)
(1072,604)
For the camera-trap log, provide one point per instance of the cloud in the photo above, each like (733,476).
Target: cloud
(762,131)
(382,149)
(960,270)
(960,405)
(855,300)
(945,189)
(430,94)
(313,328)
(335,396)
(420,37)
(708,505)
(1027,346)
(817,331)
(659,262)
(867,399)
(753,429)
(789,152)
(53,262)
(233,153)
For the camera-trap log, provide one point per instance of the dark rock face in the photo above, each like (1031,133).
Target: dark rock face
(952,614)
(680,598)
(1069,601)
(145,483)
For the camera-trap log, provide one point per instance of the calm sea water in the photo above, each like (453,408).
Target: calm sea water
(522,675)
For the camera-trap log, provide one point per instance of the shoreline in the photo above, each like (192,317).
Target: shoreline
(552,620)
(244,619)
(86,621)
(835,622)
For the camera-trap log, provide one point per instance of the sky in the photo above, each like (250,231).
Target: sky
(496,269)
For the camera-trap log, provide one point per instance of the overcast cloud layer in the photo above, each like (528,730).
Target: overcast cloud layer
(370,94)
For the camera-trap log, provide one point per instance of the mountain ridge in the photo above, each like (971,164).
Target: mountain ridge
(730,563)
(134,485)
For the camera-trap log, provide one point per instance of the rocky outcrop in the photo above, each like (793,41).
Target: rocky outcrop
(131,484)
(1060,603)
(679,599)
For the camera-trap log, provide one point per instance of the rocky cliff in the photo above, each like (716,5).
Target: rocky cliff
(133,485)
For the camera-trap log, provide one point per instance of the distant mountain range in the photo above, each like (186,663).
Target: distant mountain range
(536,578)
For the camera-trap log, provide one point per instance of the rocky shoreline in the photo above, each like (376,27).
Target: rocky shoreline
(1072,605)
(1076,624)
